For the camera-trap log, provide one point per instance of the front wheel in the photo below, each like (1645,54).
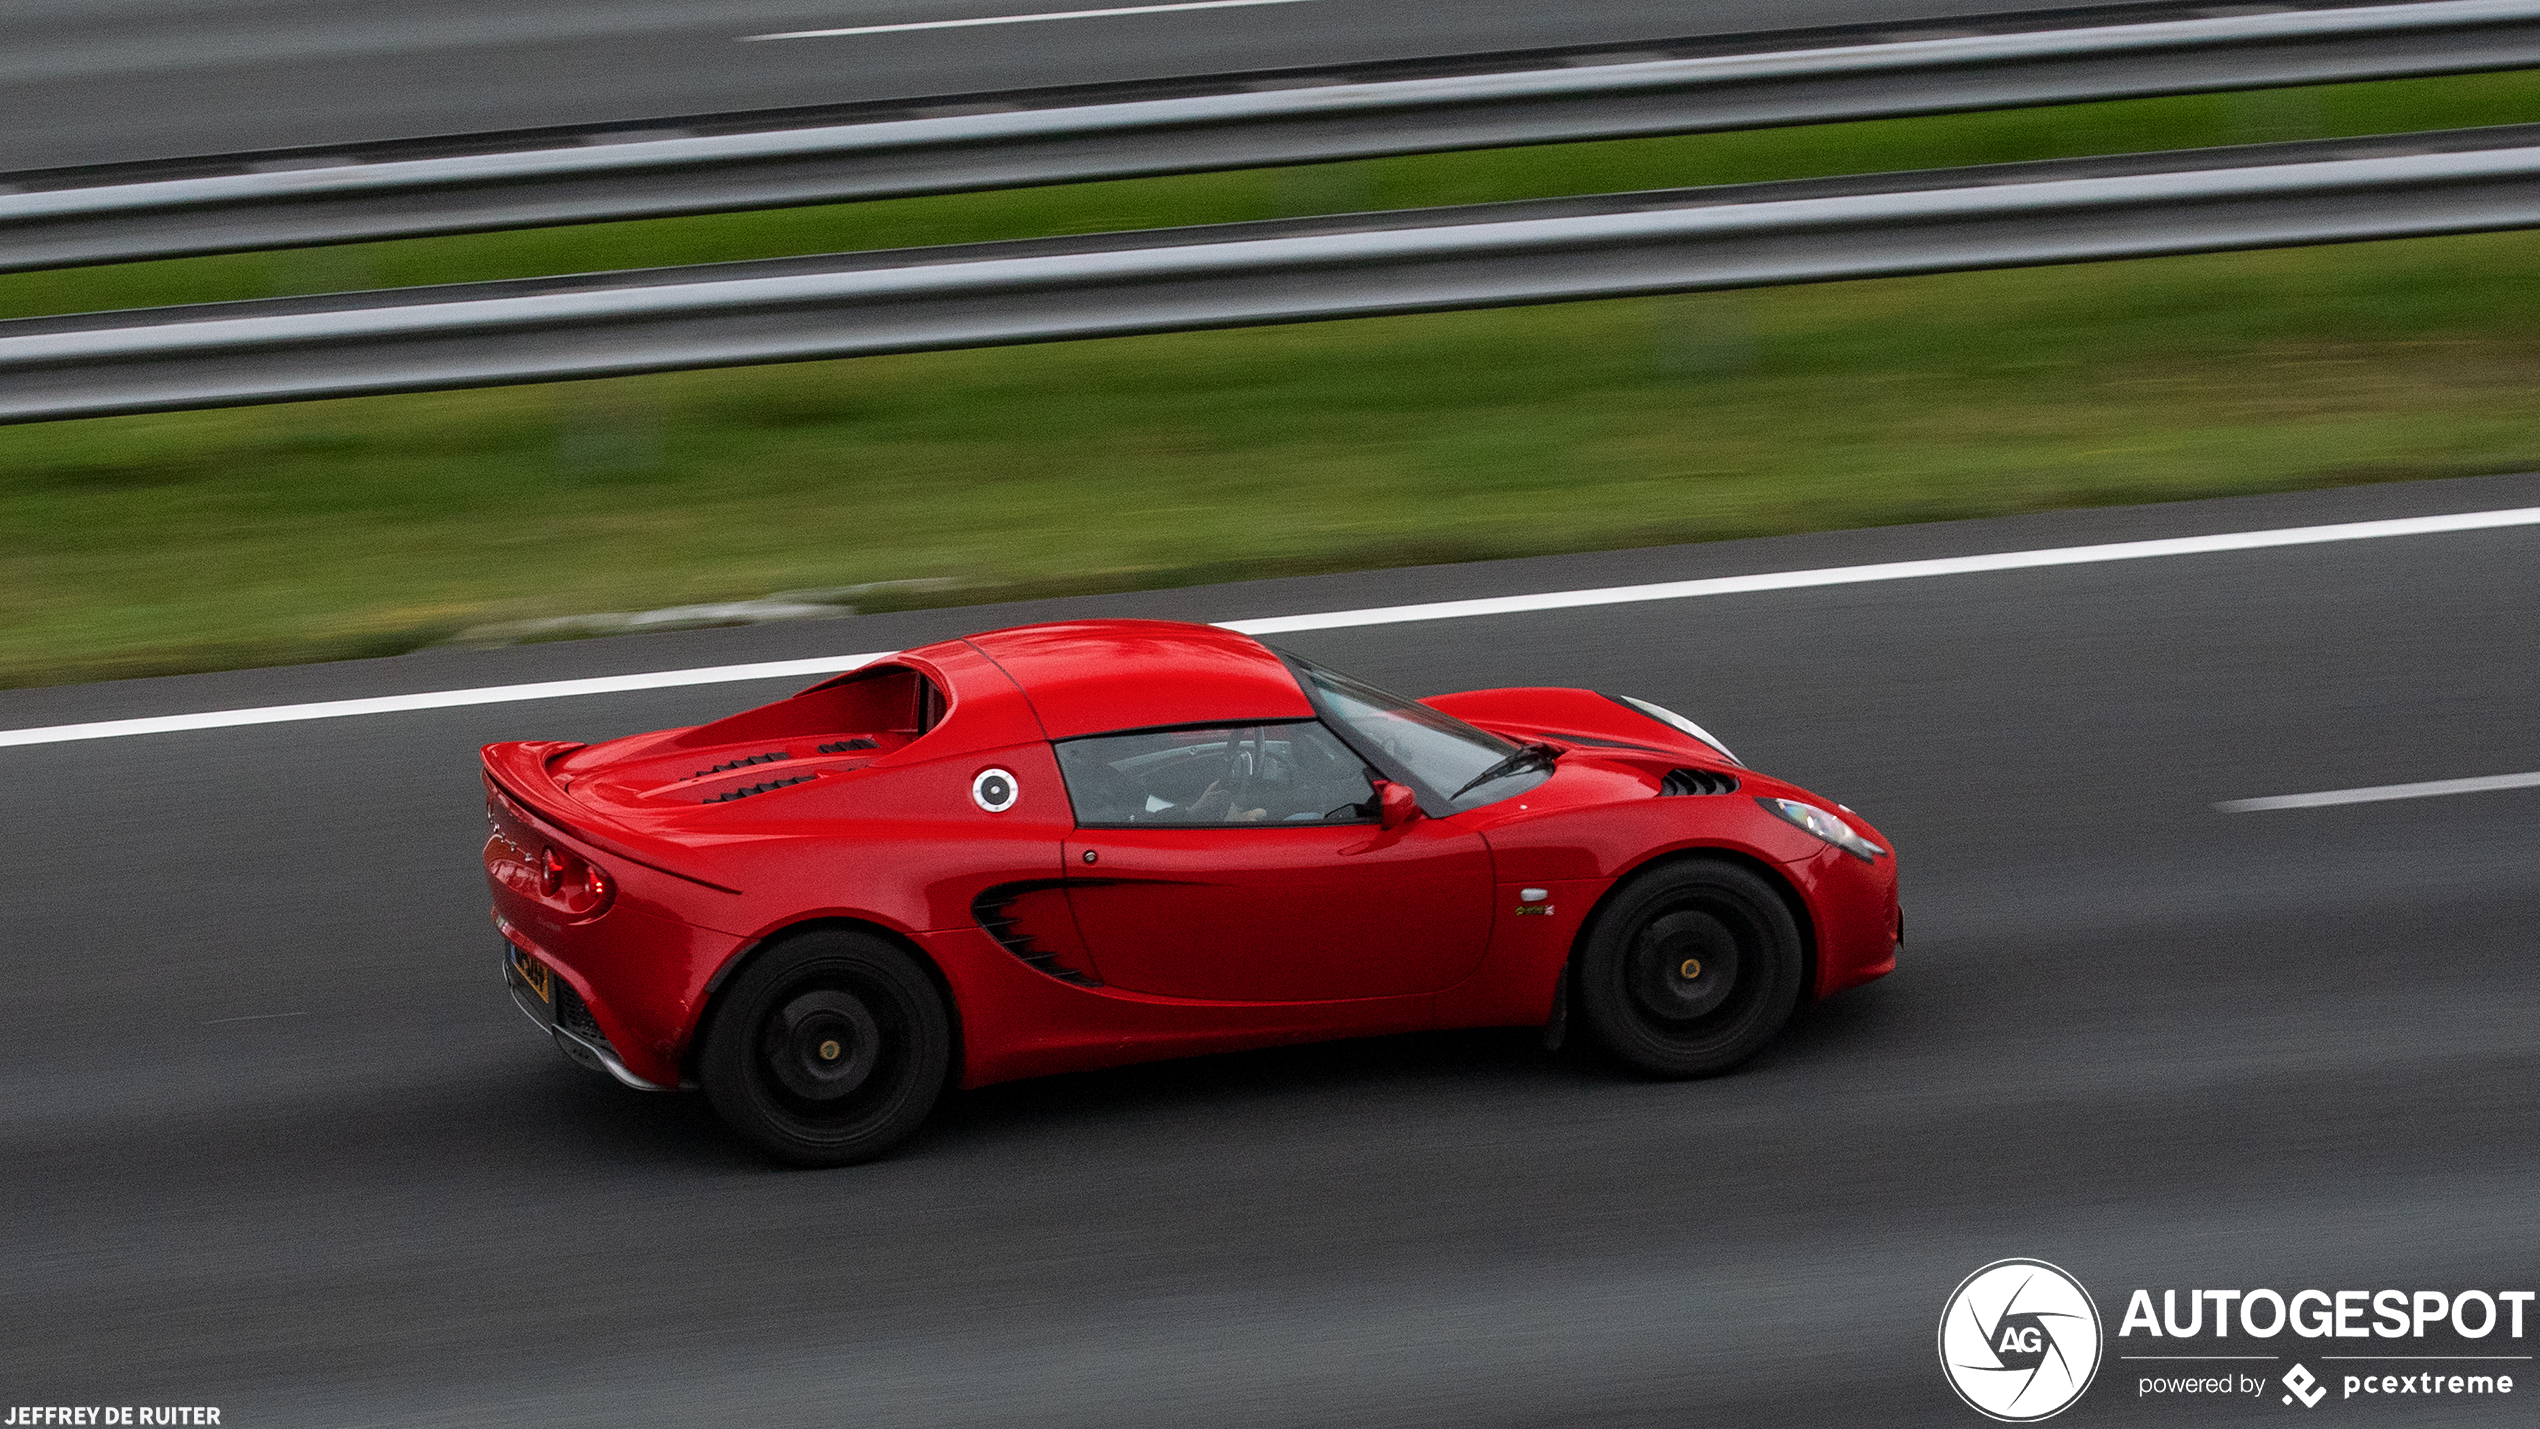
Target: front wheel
(828,1049)
(1690,969)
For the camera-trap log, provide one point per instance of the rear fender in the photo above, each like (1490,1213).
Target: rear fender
(712,1000)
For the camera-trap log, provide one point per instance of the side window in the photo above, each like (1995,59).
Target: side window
(1245,774)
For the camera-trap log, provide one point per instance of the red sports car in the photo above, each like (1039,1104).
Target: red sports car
(1068,846)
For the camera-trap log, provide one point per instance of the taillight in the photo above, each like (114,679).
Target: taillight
(577,886)
(595,892)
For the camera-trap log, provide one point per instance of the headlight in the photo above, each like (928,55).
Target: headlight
(1673,720)
(1824,825)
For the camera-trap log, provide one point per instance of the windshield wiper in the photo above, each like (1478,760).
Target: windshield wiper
(1543,755)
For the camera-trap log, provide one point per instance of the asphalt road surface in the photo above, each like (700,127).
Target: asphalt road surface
(104,81)
(276,1140)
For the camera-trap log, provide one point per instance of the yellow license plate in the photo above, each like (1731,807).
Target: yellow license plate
(535,976)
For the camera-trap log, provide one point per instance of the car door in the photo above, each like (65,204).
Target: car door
(1244,864)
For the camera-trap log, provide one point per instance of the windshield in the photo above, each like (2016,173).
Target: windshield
(1436,754)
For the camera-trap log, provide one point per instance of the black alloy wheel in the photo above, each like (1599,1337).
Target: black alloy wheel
(1689,969)
(828,1049)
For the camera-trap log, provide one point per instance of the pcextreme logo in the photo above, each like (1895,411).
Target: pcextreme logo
(2019,1340)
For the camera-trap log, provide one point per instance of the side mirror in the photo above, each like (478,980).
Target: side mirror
(1396,805)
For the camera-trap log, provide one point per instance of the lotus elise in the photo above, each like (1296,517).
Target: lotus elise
(1069,846)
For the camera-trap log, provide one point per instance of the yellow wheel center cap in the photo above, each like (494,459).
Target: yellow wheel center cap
(1692,968)
(829,1050)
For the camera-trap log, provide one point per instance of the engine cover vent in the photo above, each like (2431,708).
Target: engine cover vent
(747,790)
(849,746)
(1696,781)
(769,758)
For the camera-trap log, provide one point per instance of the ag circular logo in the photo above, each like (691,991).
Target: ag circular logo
(995,790)
(2019,1340)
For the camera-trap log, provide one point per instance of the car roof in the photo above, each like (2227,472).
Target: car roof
(1095,676)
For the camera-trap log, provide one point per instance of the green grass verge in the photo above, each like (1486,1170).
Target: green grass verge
(216,539)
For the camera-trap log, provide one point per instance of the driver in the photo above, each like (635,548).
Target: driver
(1216,805)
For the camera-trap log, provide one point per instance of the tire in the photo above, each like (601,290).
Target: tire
(828,1049)
(1724,923)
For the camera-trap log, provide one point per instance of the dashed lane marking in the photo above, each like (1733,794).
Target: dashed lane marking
(2430,789)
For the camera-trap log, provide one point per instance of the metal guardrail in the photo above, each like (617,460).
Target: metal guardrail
(1235,275)
(349,201)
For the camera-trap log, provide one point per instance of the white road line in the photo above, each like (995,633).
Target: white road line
(1015,19)
(1899,570)
(437,700)
(2432,788)
(1379,615)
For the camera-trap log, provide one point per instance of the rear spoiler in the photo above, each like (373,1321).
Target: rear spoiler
(517,771)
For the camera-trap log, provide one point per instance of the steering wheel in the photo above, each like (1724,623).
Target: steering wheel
(1245,755)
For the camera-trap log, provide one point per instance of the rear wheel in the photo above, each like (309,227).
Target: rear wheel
(1690,969)
(827,1049)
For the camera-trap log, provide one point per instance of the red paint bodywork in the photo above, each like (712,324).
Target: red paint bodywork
(1175,940)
